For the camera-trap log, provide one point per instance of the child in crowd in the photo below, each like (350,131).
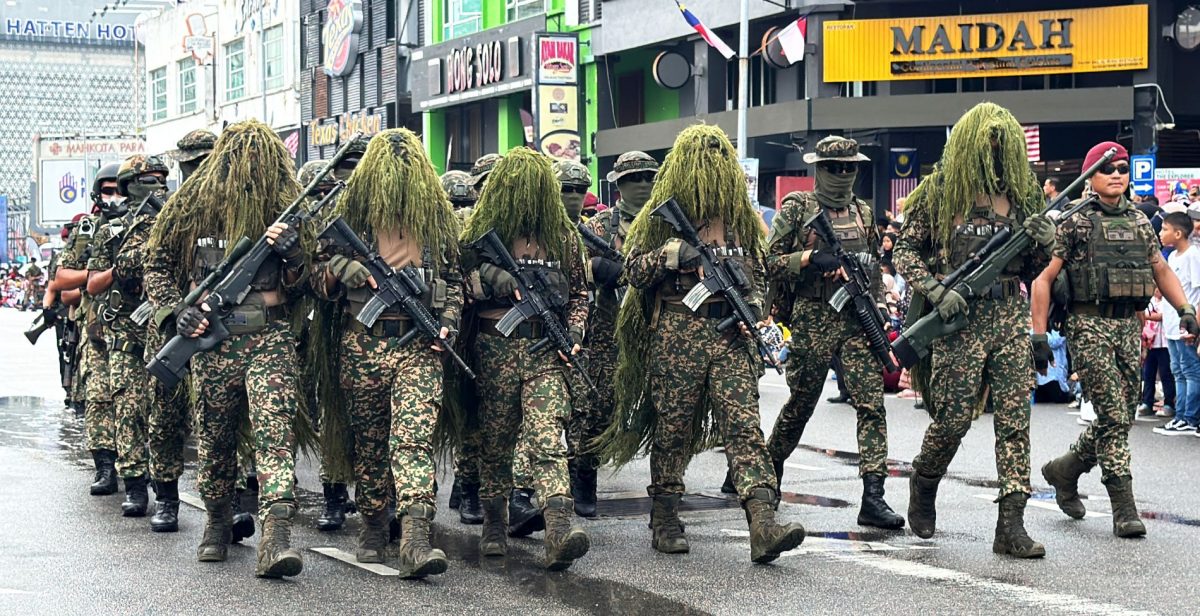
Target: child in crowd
(1185,363)
(1157,363)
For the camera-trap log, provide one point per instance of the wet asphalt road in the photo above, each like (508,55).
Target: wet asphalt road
(65,552)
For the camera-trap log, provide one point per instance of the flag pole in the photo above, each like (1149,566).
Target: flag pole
(743,78)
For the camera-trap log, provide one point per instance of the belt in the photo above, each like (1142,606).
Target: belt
(1108,311)
(127,346)
(383,328)
(711,310)
(529,329)
(1003,289)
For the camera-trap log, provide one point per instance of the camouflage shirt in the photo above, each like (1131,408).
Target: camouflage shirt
(1071,239)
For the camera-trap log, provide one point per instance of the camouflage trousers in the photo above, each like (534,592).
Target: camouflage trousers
(394,395)
(169,419)
(990,357)
(99,417)
(1105,353)
(817,334)
(466,457)
(695,369)
(521,393)
(255,371)
(593,413)
(130,389)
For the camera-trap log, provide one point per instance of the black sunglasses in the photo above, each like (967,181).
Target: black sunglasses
(149,179)
(571,188)
(839,167)
(108,191)
(641,177)
(1111,168)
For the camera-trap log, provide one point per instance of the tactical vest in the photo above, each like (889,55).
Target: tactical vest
(434,300)
(975,232)
(850,227)
(726,247)
(116,301)
(533,258)
(252,314)
(1115,270)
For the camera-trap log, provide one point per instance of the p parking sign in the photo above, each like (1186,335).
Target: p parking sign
(1142,174)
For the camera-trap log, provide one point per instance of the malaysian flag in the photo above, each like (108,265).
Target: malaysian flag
(905,172)
(709,36)
(1033,142)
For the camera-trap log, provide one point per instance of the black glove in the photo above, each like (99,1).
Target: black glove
(189,321)
(501,282)
(49,316)
(824,261)
(1187,320)
(1043,356)
(287,245)
(605,272)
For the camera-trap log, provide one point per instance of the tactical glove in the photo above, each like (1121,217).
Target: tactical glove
(1041,229)
(1187,319)
(1042,355)
(287,245)
(350,272)
(189,321)
(948,302)
(501,282)
(162,315)
(680,255)
(824,261)
(605,272)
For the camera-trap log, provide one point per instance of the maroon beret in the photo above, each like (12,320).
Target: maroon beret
(1098,150)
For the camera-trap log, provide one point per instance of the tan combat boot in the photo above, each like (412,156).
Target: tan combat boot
(768,538)
(417,558)
(565,543)
(493,541)
(372,537)
(276,558)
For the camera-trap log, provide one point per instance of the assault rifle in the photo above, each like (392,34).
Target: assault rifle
(68,353)
(975,277)
(723,277)
(538,297)
(44,321)
(605,250)
(150,205)
(404,287)
(856,289)
(229,284)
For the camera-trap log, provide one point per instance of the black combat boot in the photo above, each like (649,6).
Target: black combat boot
(492,541)
(1126,522)
(470,510)
(372,537)
(666,526)
(523,518)
(417,558)
(243,521)
(336,504)
(565,542)
(875,511)
(768,538)
(276,558)
(137,498)
(218,533)
(105,482)
(455,493)
(727,486)
(922,512)
(394,530)
(583,487)
(166,510)
(1011,537)
(1063,473)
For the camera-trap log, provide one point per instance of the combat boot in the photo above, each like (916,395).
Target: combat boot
(922,512)
(105,482)
(727,486)
(523,518)
(768,538)
(875,511)
(470,511)
(1063,473)
(137,498)
(243,521)
(667,528)
(276,558)
(1011,537)
(583,488)
(336,499)
(1126,522)
(565,542)
(372,537)
(417,558)
(214,547)
(493,541)
(456,493)
(166,510)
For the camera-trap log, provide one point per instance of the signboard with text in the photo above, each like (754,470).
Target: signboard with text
(556,96)
(62,191)
(1142,174)
(1169,182)
(486,64)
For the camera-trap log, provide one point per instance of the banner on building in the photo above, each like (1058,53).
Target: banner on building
(556,96)
(904,171)
(1174,181)
(4,256)
(62,191)
(750,168)
(1112,38)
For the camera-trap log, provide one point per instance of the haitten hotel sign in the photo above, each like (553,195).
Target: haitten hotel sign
(996,45)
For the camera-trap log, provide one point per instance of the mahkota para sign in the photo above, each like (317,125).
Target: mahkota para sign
(556,96)
(339,36)
(992,45)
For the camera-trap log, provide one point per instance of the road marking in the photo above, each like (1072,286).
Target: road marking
(192,500)
(349,559)
(14,591)
(1047,505)
(802,467)
(814,545)
(1044,601)
(773,385)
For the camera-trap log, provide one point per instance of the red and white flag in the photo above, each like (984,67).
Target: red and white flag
(1033,142)
(709,36)
(792,39)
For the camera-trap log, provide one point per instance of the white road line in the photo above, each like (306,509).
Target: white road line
(192,500)
(802,467)
(14,591)
(349,559)
(813,545)
(773,385)
(1047,505)
(1046,602)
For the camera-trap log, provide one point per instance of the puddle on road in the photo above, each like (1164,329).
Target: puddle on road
(815,500)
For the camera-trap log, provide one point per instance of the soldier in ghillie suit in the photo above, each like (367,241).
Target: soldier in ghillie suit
(239,192)
(1113,263)
(675,367)
(392,384)
(520,390)
(191,151)
(804,265)
(982,184)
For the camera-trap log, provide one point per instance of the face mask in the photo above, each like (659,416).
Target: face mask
(574,204)
(139,191)
(114,207)
(834,190)
(188,168)
(635,194)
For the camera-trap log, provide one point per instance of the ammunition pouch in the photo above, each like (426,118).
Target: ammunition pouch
(529,330)
(249,318)
(710,310)
(1109,284)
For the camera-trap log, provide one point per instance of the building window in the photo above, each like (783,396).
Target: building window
(520,9)
(187,85)
(158,94)
(461,17)
(273,50)
(235,70)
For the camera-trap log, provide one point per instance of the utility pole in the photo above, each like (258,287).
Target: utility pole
(262,60)
(743,78)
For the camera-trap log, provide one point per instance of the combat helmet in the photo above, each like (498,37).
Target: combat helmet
(193,145)
(573,173)
(482,167)
(139,164)
(458,187)
(107,173)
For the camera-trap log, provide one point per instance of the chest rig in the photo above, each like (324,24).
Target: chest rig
(434,298)
(850,227)
(677,284)
(252,315)
(1113,268)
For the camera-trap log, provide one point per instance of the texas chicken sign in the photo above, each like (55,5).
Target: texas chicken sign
(344,21)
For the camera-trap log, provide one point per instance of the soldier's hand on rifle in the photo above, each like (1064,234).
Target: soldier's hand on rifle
(502,283)
(445,340)
(680,256)
(285,241)
(192,322)
(577,340)
(824,261)
(351,273)
(1041,229)
(605,272)
(1043,356)
(948,302)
